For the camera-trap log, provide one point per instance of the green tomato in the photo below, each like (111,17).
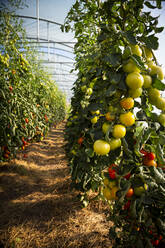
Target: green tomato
(89,91)
(105,127)
(83,88)
(161,119)
(115,143)
(138,191)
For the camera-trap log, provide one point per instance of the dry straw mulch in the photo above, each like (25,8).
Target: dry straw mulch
(38,209)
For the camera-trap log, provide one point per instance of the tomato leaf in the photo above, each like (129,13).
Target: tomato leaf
(151,42)
(129,35)
(149,5)
(158,84)
(137,59)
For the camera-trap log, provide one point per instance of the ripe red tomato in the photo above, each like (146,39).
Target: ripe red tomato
(143,152)
(26,120)
(112,174)
(150,156)
(80,140)
(127,176)
(127,205)
(10,88)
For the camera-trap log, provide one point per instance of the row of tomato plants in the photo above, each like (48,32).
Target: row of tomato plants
(30,100)
(115,131)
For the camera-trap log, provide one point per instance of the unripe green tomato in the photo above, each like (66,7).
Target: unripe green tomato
(158,71)
(153,95)
(134,80)
(130,67)
(83,88)
(105,127)
(115,143)
(136,50)
(135,93)
(83,79)
(161,119)
(138,191)
(160,103)
(89,91)
(127,52)
(147,81)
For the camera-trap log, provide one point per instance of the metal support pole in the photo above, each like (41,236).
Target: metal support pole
(48,41)
(38,24)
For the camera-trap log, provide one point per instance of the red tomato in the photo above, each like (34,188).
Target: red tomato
(143,152)
(127,205)
(130,193)
(150,155)
(80,140)
(26,120)
(10,88)
(112,174)
(127,176)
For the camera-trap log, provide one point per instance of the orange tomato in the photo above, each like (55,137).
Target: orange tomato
(149,162)
(130,193)
(109,116)
(80,140)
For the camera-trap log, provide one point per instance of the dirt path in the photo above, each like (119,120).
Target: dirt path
(38,208)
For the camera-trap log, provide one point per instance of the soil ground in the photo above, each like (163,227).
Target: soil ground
(38,209)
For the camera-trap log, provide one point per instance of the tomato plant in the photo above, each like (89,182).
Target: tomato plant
(115,57)
(29,99)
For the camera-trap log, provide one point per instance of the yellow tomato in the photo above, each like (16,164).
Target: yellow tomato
(89,91)
(112,184)
(135,93)
(113,192)
(150,64)
(161,119)
(115,143)
(153,95)
(101,147)
(97,112)
(127,103)
(119,131)
(127,119)
(147,81)
(148,53)
(130,67)
(94,120)
(158,71)
(160,103)
(106,181)
(136,50)
(107,193)
(105,127)
(134,80)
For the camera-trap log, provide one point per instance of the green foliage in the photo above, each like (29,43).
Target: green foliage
(30,102)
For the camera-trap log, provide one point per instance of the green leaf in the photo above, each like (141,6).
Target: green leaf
(149,5)
(114,59)
(130,37)
(159,30)
(89,152)
(151,42)
(158,84)
(139,63)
